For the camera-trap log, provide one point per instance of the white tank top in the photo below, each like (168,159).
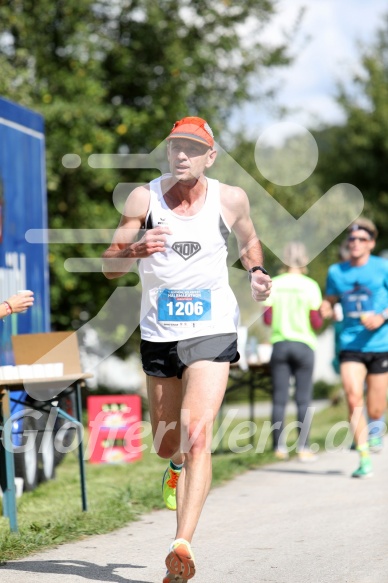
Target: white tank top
(186,290)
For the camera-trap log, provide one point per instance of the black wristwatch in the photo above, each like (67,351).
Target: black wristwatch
(256,268)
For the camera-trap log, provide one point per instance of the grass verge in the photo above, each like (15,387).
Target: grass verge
(118,494)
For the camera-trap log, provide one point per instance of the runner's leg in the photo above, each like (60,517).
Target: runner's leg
(353,378)
(280,375)
(165,401)
(376,396)
(204,385)
(303,372)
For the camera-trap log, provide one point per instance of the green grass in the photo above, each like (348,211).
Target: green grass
(118,494)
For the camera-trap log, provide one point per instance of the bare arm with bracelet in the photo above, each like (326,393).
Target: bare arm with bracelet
(16,303)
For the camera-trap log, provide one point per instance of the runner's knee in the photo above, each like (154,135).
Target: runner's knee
(167,447)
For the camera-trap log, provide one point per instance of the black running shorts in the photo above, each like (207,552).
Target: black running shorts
(168,359)
(375,362)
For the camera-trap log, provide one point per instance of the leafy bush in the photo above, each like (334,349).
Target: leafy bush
(323,390)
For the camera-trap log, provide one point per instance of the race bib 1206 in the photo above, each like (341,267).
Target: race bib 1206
(177,305)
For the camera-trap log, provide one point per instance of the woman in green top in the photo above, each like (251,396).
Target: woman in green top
(293,314)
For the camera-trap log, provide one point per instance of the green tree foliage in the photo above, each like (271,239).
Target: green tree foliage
(62,78)
(112,77)
(357,151)
(296,199)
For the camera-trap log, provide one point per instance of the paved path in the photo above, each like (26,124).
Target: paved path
(263,409)
(284,523)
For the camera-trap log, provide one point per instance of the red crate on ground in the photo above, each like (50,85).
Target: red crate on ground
(114,428)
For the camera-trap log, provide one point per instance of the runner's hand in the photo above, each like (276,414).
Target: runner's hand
(153,241)
(372,321)
(261,286)
(326,310)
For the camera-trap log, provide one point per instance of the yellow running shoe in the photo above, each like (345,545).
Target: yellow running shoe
(169,483)
(180,560)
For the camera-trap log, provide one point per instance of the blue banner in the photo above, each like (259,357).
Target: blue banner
(23,206)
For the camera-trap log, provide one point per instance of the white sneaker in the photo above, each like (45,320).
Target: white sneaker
(307,456)
(281,454)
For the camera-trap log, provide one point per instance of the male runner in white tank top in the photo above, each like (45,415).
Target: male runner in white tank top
(189,313)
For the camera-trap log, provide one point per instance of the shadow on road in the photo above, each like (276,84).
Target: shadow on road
(76,568)
(301,471)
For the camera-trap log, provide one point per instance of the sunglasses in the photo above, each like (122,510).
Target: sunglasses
(361,239)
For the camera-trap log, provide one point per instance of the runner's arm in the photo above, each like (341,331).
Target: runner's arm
(326,308)
(236,210)
(125,249)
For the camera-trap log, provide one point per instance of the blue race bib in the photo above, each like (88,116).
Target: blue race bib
(177,305)
(357,302)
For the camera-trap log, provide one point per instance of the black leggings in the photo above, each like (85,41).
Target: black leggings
(296,359)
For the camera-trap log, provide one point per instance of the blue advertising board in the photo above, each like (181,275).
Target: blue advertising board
(23,206)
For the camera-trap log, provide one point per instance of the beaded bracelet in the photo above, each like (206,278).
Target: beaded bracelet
(8,308)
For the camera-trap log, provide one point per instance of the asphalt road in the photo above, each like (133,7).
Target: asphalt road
(284,523)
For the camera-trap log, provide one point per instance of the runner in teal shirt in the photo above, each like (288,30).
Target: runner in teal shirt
(362,290)
(361,285)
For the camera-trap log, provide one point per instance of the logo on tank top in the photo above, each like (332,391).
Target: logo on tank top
(186,249)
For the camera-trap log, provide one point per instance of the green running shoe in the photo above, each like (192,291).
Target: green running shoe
(375,444)
(169,484)
(365,468)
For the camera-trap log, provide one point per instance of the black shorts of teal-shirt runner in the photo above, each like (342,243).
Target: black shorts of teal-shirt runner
(374,362)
